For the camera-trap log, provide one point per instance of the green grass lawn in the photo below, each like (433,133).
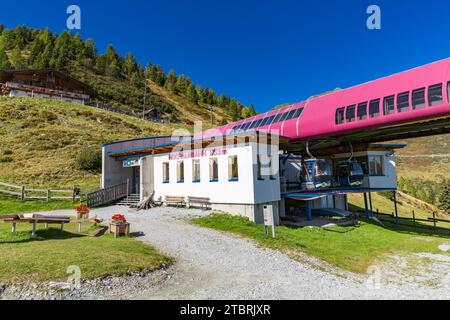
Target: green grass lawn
(352,248)
(51,252)
(10,205)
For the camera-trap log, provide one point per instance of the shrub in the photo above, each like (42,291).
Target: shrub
(89,160)
(6,159)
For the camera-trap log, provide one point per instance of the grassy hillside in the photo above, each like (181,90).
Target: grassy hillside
(40,138)
(121,94)
(427,158)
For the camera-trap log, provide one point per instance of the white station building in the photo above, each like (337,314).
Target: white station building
(238,174)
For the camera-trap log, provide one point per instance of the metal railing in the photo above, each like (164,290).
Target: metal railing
(108,195)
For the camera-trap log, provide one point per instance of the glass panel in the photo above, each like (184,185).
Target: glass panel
(298,112)
(418,99)
(403,102)
(196,170)
(277,118)
(233,168)
(284,116)
(374,108)
(270,120)
(350,113)
(362,111)
(165,172)
(340,116)
(180,171)
(376,165)
(389,105)
(291,114)
(213,169)
(448,92)
(435,95)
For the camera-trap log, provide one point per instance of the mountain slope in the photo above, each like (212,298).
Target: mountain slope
(40,139)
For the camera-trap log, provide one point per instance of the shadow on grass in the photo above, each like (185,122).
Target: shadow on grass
(41,235)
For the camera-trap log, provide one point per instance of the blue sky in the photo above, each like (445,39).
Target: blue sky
(258,51)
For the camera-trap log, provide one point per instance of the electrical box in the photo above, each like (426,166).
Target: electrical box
(268,215)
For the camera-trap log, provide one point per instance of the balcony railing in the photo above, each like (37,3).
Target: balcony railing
(47,91)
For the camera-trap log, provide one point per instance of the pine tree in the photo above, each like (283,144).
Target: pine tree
(223,101)
(234,110)
(181,84)
(4,60)
(130,65)
(200,93)
(245,113)
(16,58)
(251,110)
(160,76)
(171,82)
(191,94)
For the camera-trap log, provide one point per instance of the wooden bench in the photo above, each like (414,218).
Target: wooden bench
(175,200)
(203,202)
(35,219)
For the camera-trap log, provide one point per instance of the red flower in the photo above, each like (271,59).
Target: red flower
(82,207)
(118,218)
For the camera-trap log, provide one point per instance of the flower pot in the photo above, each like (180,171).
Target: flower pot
(83,214)
(119,229)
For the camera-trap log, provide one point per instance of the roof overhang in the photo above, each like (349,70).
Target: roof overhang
(196,144)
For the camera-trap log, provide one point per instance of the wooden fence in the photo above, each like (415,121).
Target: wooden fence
(433,222)
(108,195)
(24,192)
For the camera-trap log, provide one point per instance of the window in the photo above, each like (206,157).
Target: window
(374,108)
(213,170)
(376,165)
(448,91)
(245,126)
(196,170)
(264,122)
(180,171)
(277,118)
(298,112)
(403,102)
(284,117)
(418,99)
(389,105)
(271,120)
(350,113)
(166,178)
(260,175)
(258,124)
(291,114)
(272,167)
(233,174)
(340,116)
(435,95)
(362,111)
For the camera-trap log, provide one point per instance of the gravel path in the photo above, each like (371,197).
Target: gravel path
(216,265)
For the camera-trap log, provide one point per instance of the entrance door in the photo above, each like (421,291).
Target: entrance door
(136,183)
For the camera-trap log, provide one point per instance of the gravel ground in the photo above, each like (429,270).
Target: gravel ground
(215,265)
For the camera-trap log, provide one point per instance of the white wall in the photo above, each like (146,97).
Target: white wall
(247,190)
(388,180)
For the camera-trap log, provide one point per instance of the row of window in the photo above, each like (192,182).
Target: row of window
(372,165)
(233,171)
(280,117)
(401,101)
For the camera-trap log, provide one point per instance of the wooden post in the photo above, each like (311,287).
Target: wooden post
(414,218)
(48,195)
(128,187)
(33,233)
(62,226)
(22,193)
(434,219)
(13,227)
(45,226)
(79,227)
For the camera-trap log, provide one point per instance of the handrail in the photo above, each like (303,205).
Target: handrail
(108,195)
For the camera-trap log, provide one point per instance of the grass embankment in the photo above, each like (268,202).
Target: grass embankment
(40,139)
(47,256)
(352,248)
